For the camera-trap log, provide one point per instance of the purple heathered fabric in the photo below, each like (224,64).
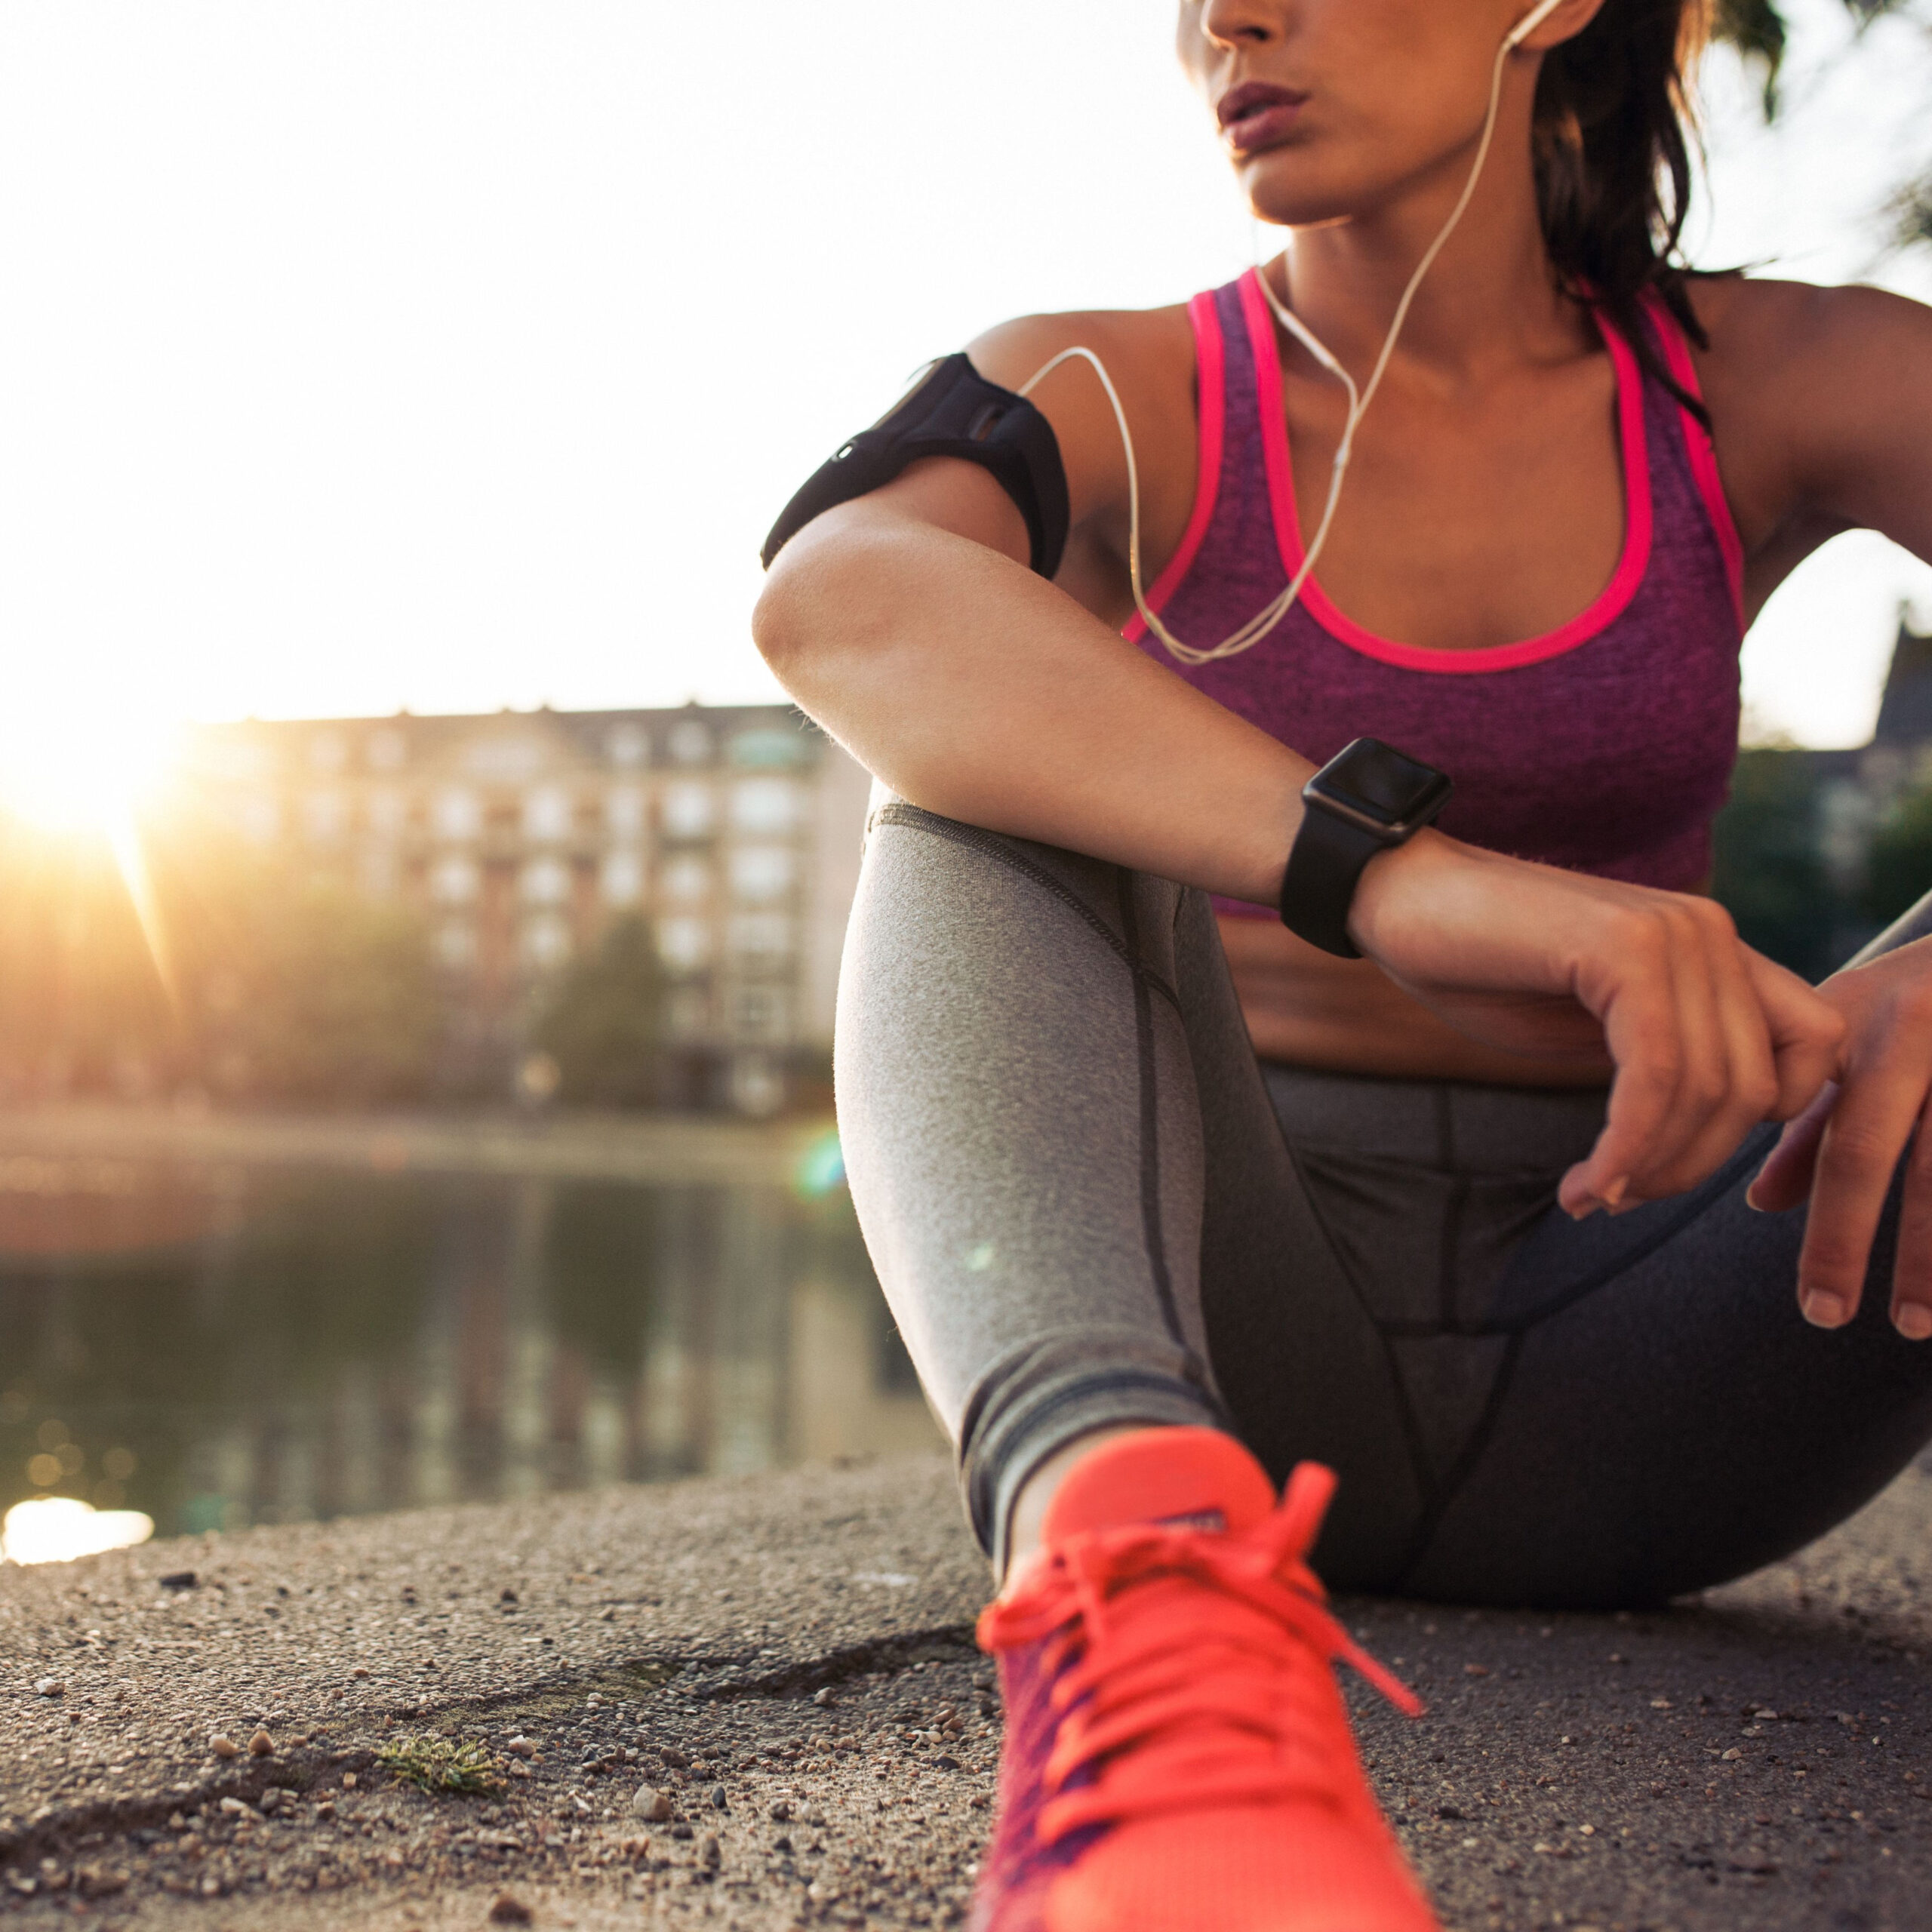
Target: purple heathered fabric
(1612,757)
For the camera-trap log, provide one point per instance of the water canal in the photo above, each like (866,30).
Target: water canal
(217,1344)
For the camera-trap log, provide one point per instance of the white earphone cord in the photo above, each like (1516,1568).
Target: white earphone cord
(1263,621)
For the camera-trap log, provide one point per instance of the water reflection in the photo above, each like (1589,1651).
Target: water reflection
(222,1345)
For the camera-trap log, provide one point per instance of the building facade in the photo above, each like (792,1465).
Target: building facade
(734,831)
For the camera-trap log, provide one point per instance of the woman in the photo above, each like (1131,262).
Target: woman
(1169,1201)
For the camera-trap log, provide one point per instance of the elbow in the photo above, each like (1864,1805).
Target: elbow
(815,609)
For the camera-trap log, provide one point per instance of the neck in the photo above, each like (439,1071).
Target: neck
(1489,300)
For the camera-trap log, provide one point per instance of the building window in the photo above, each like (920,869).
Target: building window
(545,942)
(758,1013)
(324,814)
(686,880)
(388,812)
(761,939)
(624,810)
(505,760)
(454,881)
(621,878)
(327,752)
(456,945)
(684,944)
(689,811)
(628,747)
(458,813)
(764,804)
(691,743)
(546,882)
(761,872)
(387,751)
(767,748)
(757,1088)
(547,814)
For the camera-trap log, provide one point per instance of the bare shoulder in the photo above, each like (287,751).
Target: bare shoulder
(1817,395)
(1149,354)
(1761,328)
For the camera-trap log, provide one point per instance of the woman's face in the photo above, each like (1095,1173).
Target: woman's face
(1332,109)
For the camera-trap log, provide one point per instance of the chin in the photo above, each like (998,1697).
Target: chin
(1286,190)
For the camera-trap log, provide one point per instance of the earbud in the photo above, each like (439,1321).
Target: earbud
(1263,621)
(1530,21)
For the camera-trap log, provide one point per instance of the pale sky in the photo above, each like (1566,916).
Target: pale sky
(455,353)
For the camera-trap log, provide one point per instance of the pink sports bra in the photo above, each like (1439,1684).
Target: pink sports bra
(1605,745)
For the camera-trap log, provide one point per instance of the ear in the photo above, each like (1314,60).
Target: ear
(1550,22)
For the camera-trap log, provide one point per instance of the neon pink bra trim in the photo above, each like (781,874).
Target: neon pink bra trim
(1698,447)
(1210,388)
(1610,604)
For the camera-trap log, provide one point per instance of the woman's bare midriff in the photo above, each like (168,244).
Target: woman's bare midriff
(1309,1008)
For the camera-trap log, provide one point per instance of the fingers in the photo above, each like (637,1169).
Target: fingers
(1808,1034)
(1911,1271)
(1863,1137)
(1695,1033)
(1784,1181)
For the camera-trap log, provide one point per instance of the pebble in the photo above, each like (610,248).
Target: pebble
(653,1806)
(509,1910)
(520,1746)
(358,1670)
(719,1800)
(50,1687)
(261,1745)
(814,1814)
(781,1812)
(709,1853)
(824,1699)
(222,1746)
(675,1758)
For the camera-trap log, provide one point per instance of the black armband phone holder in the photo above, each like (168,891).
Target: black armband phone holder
(951,410)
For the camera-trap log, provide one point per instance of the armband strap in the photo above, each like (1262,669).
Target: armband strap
(951,410)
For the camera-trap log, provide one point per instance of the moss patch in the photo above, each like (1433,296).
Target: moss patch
(445,1766)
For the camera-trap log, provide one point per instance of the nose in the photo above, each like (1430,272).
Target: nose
(1227,24)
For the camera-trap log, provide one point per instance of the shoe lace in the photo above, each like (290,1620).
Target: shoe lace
(1189,1668)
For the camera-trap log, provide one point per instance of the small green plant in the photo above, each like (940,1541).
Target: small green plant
(442,1765)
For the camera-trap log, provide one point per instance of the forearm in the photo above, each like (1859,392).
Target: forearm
(975,689)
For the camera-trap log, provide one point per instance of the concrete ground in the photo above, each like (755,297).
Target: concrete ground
(756,1703)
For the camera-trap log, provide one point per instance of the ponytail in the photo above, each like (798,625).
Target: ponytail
(1613,166)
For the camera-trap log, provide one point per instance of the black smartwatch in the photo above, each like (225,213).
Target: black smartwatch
(1366,799)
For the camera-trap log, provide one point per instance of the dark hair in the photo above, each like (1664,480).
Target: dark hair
(1613,165)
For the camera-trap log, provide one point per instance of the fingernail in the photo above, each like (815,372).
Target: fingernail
(1821,1310)
(1913,1319)
(1613,1195)
(1586,1207)
(1751,1200)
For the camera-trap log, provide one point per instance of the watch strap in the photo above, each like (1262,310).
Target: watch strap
(1319,886)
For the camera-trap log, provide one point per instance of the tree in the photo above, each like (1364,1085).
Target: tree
(310,992)
(1898,868)
(604,1023)
(1768,873)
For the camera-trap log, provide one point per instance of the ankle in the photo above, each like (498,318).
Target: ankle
(1036,1493)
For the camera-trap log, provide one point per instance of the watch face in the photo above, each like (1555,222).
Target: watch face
(1376,786)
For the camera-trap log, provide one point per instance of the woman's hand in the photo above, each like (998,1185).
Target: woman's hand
(1705,1038)
(1841,1152)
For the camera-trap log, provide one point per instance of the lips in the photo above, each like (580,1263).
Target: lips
(1256,115)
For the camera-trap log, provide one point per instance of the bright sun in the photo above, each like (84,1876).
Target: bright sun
(81,767)
(82,771)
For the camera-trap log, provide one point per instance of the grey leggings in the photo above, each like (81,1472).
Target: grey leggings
(1089,1205)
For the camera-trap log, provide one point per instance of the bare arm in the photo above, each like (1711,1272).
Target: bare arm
(908,623)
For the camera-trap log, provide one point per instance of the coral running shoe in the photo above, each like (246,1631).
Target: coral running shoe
(1178,1757)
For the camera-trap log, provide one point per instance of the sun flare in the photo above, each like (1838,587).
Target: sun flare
(83,770)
